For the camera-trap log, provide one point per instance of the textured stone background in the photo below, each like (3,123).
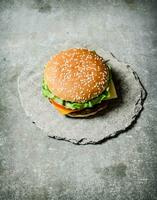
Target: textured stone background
(36,167)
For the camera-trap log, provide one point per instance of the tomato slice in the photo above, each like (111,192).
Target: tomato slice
(61,108)
(56,104)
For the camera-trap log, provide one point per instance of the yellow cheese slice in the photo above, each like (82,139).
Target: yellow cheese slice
(112,90)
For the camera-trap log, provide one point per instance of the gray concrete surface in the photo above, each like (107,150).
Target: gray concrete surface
(33,166)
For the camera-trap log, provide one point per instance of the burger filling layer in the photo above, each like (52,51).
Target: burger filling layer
(109,93)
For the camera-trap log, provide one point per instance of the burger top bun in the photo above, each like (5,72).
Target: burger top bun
(76,75)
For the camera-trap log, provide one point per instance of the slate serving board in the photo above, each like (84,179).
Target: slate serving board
(119,116)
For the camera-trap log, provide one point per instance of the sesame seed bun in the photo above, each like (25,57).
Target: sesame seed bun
(76,75)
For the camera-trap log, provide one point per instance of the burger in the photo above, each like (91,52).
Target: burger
(78,82)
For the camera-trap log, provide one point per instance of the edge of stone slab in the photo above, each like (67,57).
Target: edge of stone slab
(138,109)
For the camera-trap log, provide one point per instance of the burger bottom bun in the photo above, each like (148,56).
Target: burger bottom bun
(89,111)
